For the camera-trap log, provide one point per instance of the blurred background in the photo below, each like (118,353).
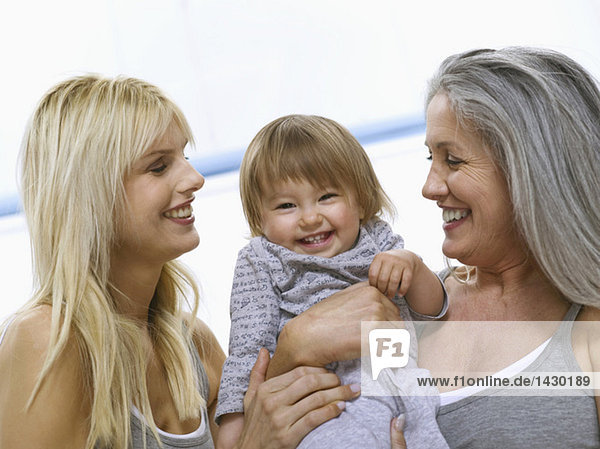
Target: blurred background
(234,65)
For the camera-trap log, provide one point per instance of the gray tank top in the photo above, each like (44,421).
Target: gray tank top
(542,422)
(202,441)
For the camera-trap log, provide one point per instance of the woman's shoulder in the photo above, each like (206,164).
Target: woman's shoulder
(210,351)
(204,338)
(589,313)
(59,404)
(202,334)
(586,338)
(26,345)
(28,333)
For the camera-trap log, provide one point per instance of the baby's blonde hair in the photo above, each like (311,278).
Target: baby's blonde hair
(308,148)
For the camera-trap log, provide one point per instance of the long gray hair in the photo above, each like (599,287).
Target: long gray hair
(538,112)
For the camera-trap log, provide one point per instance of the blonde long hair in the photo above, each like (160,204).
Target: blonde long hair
(81,141)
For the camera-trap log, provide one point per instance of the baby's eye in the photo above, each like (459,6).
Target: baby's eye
(328,196)
(285,206)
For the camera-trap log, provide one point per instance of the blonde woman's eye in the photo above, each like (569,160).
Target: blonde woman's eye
(159,168)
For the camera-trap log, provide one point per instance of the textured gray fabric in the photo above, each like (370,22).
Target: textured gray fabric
(366,421)
(544,422)
(272,285)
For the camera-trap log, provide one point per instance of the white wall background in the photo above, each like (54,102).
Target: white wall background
(235,65)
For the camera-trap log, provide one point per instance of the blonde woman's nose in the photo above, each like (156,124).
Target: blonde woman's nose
(192,180)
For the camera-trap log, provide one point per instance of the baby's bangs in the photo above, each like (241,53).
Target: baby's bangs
(305,163)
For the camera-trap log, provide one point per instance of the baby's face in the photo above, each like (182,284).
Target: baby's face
(310,220)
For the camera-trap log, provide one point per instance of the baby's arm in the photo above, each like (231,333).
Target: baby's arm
(230,430)
(399,271)
(254,325)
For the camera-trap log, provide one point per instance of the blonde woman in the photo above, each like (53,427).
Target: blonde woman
(103,354)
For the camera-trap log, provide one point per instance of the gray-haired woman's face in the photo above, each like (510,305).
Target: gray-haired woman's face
(470,190)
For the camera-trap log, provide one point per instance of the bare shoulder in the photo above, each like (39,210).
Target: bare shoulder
(58,413)
(590,318)
(204,338)
(26,339)
(586,338)
(589,313)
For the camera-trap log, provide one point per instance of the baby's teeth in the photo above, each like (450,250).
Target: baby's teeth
(316,238)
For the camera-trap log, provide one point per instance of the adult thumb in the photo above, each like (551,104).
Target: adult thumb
(397,432)
(258,373)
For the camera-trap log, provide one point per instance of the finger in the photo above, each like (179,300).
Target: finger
(322,398)
(357,286)
(397,433)
(258,373)
(310,384)
(317,415)
(383,278)
(405,282)
(313,419)
(309,377)
(394,281)
(374,270)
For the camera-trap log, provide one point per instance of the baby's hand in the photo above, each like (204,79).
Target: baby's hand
(392,271)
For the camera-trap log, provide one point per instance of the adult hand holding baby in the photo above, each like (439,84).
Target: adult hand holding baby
(294,403)
(336,321)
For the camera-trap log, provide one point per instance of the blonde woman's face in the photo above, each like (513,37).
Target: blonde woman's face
(159,220)
(310,220)
(471,191)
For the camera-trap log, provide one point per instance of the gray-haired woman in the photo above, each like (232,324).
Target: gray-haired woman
(513,136)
